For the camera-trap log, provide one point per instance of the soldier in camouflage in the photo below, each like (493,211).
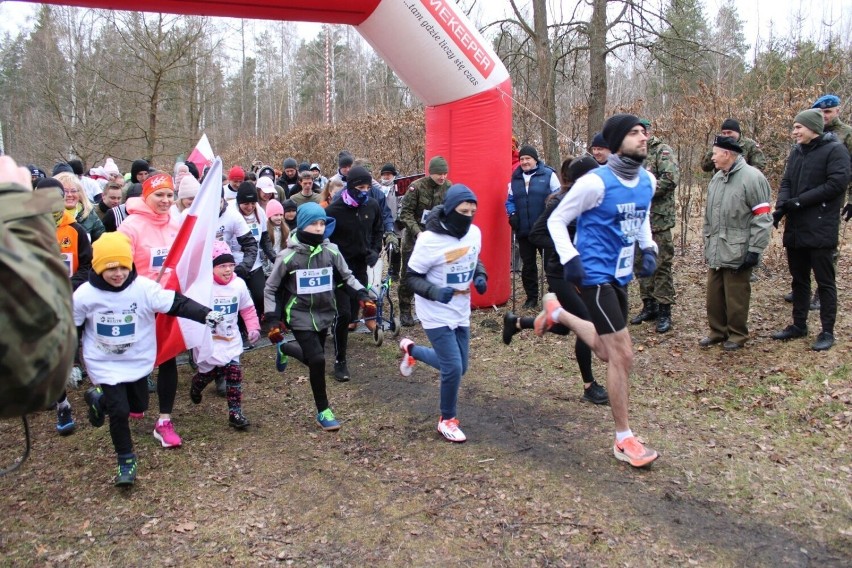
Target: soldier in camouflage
(752,153)
(657,291)
(423,195)
(830,107)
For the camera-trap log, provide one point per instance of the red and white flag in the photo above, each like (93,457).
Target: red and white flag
(202,154)
(188,269)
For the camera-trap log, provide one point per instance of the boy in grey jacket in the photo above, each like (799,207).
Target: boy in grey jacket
(304,278)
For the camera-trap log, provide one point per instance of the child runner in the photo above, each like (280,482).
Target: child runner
(115,310)
(277,229)
(230,297)
(305,274)
(444,263)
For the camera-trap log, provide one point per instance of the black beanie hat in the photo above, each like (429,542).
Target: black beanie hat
(193,169)
(60,168)
(598,141)
(135,190)
(727,143)
(77,166)
(616,128)
(136,167)
(389,168)
(289,205)
(344,159)
(49,182)
(578,168)
(246,193)
(731,124)
(304,166)
(527,150)
(358,176)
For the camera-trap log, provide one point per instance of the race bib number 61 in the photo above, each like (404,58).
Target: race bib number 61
(313,280)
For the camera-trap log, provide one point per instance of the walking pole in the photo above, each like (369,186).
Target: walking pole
(514,268)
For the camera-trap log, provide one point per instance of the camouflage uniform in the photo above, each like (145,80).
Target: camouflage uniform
(423,195)
(39,337)
(751,152)
(843,133)
(662,163)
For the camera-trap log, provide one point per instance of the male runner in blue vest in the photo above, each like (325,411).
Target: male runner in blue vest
(611,205)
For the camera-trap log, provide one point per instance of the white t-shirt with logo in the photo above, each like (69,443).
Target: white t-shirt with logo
(229,299)
(446,261)
(119,342)
(231,226)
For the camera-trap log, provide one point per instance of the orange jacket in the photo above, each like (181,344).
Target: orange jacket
(75,248)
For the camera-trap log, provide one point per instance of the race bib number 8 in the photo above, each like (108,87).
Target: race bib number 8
(459,273)
(115,329)
(313,280)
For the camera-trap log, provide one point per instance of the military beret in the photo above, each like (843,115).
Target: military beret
(727,143)
(827,101)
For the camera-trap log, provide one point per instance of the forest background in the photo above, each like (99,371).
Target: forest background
(96,84)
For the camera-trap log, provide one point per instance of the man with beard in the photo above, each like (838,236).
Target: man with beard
(611,205)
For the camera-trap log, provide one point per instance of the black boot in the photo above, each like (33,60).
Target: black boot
(405,319)
(664,318)
(648,313)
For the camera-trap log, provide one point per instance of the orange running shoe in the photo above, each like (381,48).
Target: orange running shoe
(633,452)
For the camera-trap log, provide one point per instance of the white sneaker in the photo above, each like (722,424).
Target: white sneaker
(75,378)
(406,366)
(450,430)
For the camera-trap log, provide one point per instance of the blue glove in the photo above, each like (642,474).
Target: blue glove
(480,283)
(649,263)
(443,295)
(573,271)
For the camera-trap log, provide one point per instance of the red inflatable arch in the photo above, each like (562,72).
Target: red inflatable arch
(441,56)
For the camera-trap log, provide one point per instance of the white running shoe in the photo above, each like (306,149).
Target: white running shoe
(450,430)
(406,366)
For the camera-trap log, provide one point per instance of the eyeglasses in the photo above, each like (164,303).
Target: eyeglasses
(71,192)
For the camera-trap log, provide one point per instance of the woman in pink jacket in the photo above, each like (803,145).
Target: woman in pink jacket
(152,228)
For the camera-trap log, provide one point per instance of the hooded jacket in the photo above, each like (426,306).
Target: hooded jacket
(75,248)
(151,236)
(816,177)
(313,311)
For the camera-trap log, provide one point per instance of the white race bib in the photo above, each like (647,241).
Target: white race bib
(255,230)
(625,262)
(459,272)
(68,259)
(158,257)
(313,280)
(423,217)
(115,329)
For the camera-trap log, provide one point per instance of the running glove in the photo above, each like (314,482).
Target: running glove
(254,336)
(368,308)
(480,283)
(573,271)
(649,263)
(443,295)
(213,318)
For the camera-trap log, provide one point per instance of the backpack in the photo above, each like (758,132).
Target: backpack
(38,338)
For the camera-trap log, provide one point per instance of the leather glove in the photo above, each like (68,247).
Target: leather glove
(847,211)
(368,308)
(573,271)
(791,205)
(372,258)
(480,283)
(392,241)
(241,271)
(750,261)
(443,295)
(514,222)
(254,336)
(649,263)
(213,318)
(777,215)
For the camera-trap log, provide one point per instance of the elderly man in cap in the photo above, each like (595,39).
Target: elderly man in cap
(612,207)
(737,227)
(752,153)
(811,194)
(531,184)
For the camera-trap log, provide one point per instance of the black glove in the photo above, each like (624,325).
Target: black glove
(372,258)
(572,271)
(480,283)
(750,261)
(241,271)
(514,221)
(777,215)
(791,205)
(847,211)
(649,263)
(443,295)
(363,295)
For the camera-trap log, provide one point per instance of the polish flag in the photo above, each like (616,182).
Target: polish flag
(202,154)
(188,269)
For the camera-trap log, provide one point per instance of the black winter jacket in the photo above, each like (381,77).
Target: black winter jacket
(540,237)
(357,231)
(815,177)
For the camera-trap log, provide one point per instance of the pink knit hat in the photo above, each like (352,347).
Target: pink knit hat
(222,253)
(274,207)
